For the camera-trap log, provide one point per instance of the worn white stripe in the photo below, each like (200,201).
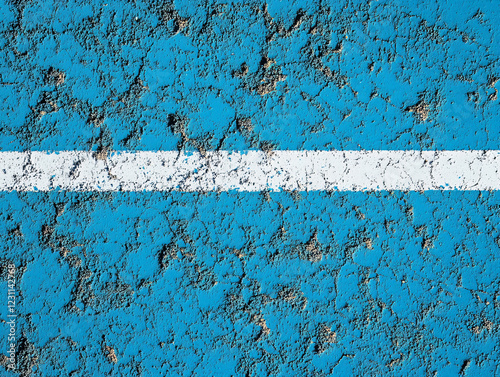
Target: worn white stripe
(251,171)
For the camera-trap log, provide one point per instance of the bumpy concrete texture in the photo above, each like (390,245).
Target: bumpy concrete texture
(238,75)
(287,283)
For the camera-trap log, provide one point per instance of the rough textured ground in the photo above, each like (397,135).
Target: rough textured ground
(236,75)
(251,284)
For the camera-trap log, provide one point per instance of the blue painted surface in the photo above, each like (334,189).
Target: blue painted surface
(340,75)
(181,284)
(249,284)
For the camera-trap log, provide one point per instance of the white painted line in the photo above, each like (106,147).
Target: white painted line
(251,171)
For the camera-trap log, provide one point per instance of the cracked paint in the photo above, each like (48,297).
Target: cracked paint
(289,283)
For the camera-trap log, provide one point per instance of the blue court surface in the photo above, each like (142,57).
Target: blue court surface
(320,283)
